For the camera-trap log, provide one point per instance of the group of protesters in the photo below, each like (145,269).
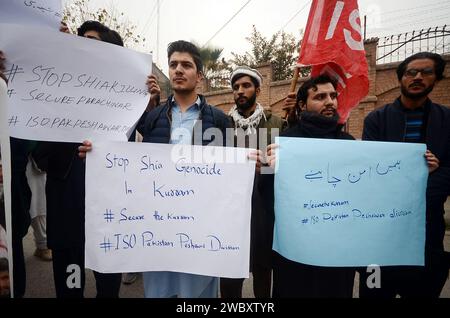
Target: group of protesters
(314,113)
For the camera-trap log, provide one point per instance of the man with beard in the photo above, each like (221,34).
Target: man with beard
(316,107)
(254,128)
(413,117)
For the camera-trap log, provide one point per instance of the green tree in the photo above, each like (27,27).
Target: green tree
(281,50)
(76,12)
(216,70)
(211,59)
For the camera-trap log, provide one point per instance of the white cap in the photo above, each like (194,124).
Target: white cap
(247,71)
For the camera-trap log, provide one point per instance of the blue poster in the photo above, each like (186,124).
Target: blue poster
(350,203)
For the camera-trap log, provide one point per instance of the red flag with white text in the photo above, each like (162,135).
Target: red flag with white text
(333,44)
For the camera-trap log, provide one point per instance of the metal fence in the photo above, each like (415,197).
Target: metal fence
(395,48)
(219,80)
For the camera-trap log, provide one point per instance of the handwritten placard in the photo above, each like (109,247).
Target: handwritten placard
(348,203)
(68,88)
(36,12)
(156,207)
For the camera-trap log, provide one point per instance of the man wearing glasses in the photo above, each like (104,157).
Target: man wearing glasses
(414,118)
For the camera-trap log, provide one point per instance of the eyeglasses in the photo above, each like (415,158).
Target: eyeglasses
(429,71)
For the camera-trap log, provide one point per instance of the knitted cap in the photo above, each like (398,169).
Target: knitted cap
(247,71)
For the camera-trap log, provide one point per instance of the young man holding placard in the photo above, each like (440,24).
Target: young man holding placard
(414,118)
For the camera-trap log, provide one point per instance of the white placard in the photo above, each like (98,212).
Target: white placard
(68,88)
(149,209)
(37,12)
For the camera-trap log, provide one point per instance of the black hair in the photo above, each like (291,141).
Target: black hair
(302,94)
(112,37)
(239,76)
(105,33)
(92,26)
(186,47)
(439,64)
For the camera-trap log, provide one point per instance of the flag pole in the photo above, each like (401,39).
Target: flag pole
(295,79)
(289,110)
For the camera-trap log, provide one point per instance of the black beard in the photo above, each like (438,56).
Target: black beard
(414,96)
(317,117)
(248,104)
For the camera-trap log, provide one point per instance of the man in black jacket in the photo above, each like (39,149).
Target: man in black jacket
(65,191)
(413,117)
(318,118)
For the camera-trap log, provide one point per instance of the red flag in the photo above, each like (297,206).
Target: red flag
(333,44)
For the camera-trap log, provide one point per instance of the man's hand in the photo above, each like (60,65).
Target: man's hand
(432,161)
(83,150)
(64,28)
(154,90)
(272,155)
(258,156)
(290,107)
(2,65)
(291,100)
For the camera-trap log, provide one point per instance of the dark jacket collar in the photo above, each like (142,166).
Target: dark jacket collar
(398,105)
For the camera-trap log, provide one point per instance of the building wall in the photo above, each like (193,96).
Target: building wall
(384,88)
